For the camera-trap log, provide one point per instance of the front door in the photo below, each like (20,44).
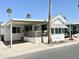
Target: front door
(37,30)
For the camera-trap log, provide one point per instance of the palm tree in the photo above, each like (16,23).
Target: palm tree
(28,15)
(9,11)
(78,3)
(49,22)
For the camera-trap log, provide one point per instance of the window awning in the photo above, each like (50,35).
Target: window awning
(58,26)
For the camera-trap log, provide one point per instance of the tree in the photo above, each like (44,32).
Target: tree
(9,11)
(78,3)
(28,15)
(49,22)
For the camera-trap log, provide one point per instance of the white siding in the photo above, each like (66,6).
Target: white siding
(2,31)
(58,37)
(45,39)
(15,36)
(57,22)
(18,36)
(55,37)
(30,39)
(36,40)
(7,34)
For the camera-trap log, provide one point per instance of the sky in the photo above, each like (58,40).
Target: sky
(39,9)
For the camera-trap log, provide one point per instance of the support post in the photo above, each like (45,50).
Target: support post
(11,35)
(41,34)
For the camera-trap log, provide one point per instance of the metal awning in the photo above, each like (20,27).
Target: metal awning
(59,26)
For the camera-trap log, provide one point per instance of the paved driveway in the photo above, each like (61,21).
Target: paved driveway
(68,52)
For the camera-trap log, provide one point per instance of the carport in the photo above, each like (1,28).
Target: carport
(21,26)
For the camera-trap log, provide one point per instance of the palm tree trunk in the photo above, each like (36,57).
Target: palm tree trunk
(9,15)
(70,38)
(49,22)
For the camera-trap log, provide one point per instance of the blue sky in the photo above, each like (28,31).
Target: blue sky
(39,9)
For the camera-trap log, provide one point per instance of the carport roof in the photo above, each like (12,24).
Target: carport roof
(25,21)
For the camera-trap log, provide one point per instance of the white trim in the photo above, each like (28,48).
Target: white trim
(54,30)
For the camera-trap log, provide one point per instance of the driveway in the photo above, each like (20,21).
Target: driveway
(67,52)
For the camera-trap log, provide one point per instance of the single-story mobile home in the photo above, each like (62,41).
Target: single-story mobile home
(34,30)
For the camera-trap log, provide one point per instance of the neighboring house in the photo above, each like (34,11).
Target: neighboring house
(34,30)
(74,29)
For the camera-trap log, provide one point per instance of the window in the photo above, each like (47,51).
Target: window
(16,30)
(59,30)
(28,28)
(44,27)
(77,29)
(13,29)
(36,28)
(56,30)
(74,30)
(63,30)
(52,30)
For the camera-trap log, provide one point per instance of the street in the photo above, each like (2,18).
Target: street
(68,52)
